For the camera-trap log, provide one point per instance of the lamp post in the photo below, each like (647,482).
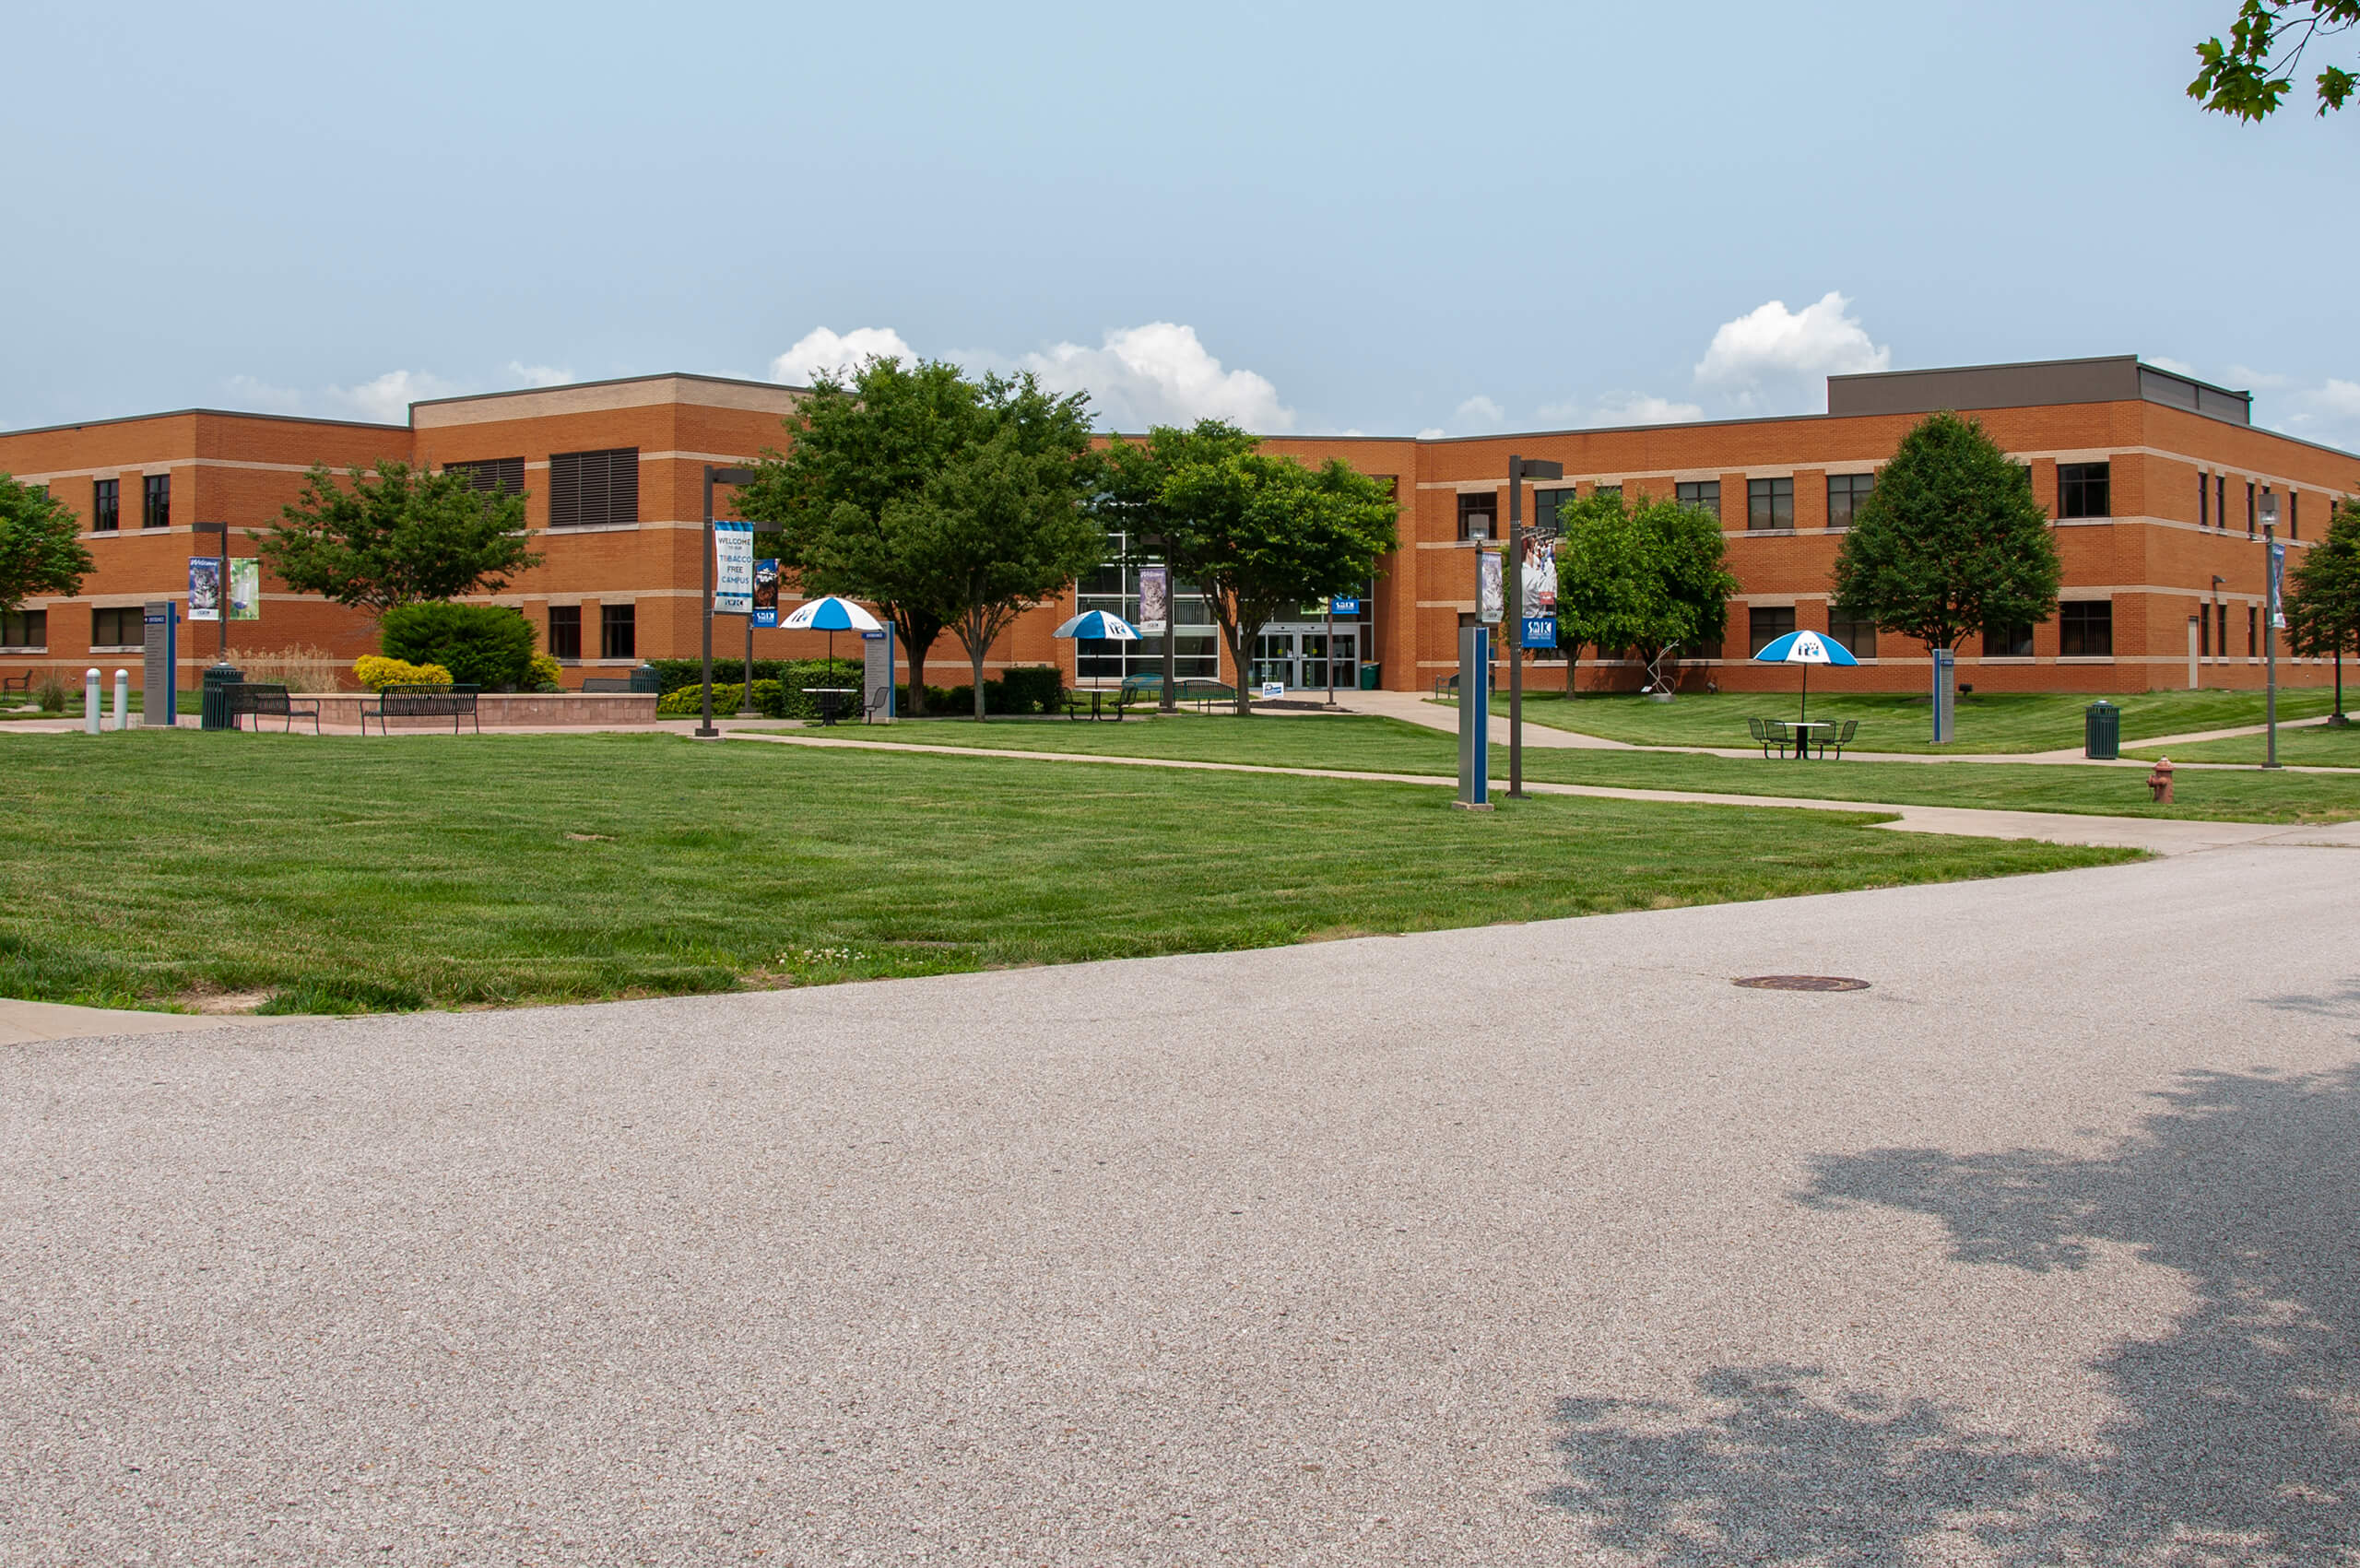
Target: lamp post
(2274,563)
(221,588)
(717,475)
(1519,469)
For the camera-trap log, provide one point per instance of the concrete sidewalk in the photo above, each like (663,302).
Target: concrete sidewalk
(2158,835)
(23,1022)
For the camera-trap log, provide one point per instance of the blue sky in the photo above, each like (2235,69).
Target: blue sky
(1311,217)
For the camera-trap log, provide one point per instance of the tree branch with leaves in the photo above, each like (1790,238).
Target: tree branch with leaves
(2251,74)
(41,545)
(402,536)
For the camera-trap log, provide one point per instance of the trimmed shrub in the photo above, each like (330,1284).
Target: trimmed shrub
(688,702)
(485,645)
(548,674)
(1030,688)
(377,673)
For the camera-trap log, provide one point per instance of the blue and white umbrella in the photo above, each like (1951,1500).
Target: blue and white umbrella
(1098,626)
(831,615)
(1805,648)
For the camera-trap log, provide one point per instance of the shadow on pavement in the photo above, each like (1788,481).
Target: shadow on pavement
(2240,1440)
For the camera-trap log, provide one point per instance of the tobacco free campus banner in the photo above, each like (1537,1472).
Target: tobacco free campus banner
(733,568)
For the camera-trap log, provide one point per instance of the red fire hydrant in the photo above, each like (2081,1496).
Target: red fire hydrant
(2159,782)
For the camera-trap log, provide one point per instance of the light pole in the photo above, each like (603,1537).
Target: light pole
(713,474)
(2273,565)
(1519,469)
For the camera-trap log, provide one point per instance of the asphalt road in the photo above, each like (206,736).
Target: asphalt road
(1524,1244)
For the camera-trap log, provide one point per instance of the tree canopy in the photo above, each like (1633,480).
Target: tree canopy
(1002,523)
(41,545)
(402,536)
(1950,541)
(2322,596)
(2251,74)
(840,506)
(1258,534)
(1648,575)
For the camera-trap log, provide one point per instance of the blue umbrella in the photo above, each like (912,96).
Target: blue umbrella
(1099,626)
(1805,648)
(830,615)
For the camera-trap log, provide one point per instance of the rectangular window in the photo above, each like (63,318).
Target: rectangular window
(1607,492)
(1765,624)
(156,502)
(2007,642)
(1704,495)
(617,631)
(1845,492)
(2204,632)
(504,476)
(2221,501)
(2294,515)
(106,505)
(2220,619)
(1860,636)
(2253,526)
(2203,501)
(2085,629)
(1769,503)
(2081,490)
(122,628)
(1476,510)
(1548,509)
(594,489)
(2253,632)
(565,632)
(25,629)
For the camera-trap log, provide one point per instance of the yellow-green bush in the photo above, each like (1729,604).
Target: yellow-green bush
(548,674)
(376,672)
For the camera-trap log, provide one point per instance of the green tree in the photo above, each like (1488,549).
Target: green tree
(827,504)
(41,545)
(1004,522)
(1257,534)
(1649,575)
(2322,600)
(485,645)
(2251,74)
(403,537)
(1951,540)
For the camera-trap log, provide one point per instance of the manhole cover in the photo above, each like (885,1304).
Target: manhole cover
(1801,983)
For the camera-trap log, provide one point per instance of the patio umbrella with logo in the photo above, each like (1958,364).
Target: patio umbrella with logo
(1805,648)
(830,615)
(1098,626)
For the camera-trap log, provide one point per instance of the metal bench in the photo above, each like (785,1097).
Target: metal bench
(643,679)
(17,682)
(261,700)
(1840,739)
(454,702)
(1767,733)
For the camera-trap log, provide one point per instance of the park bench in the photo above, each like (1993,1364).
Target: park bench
(640,679)
(17,682)
(261,700)
(454,702)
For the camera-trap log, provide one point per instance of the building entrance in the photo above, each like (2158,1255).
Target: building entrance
(1298,657)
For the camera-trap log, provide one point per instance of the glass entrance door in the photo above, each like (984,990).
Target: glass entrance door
(1274,658)
(1299,659)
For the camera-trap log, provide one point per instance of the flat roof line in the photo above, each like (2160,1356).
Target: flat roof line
(204,413)
(611,380)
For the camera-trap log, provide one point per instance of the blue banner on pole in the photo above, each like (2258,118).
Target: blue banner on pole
(765,592)
(2277,586)
(1540,631)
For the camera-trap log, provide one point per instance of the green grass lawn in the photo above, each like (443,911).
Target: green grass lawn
(343,873)
(2308,745)
(1390,746)
(2004,721)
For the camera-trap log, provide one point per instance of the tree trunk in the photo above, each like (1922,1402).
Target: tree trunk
(976,649)
(914,651)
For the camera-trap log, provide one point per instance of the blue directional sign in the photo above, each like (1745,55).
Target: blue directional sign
(1540,631)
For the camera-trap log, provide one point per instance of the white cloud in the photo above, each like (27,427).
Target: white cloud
(1774,361)
(1160,374)
(2328,413)
(1623,408)
(2246,379)
(2177,367)
(842,353)
(260,396)
(539,375)
(387,399)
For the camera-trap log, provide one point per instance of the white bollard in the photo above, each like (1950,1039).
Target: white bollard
(90,709)
(123,699)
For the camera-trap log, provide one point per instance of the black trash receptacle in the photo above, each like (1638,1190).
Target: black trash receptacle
(646,678)
(214,714)
(2102,732)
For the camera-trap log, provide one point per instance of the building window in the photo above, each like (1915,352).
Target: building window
(565,632)
(502,476)
(2221,617)
(1765,624)
(617,631)
(2204,632)
(1476,510)
(2203,501)
(1607,492)
(106,505)
(122,627)
(1845,494)
(2221,501)
(2081,490)
(2085,629)
(1860,636)
(1549,509)
(2294,515)
(2253,631)
(2007,642)
(2252,525)
(593,489)
(156,502)
(1704,495)
(1769,503)
(25,629)
(1114,588)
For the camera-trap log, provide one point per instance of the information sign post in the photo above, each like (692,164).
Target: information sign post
(1946,695)
(160,681)
(1474,719)
(2273,620)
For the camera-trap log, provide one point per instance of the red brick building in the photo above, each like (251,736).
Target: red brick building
(2155,483)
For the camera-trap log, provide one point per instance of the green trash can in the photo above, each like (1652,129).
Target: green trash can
(2102,732)
(215,714)
(1368,678)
